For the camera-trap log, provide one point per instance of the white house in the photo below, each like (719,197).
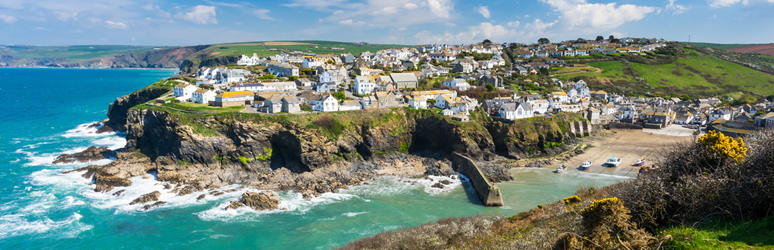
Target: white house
(184,91)
(457,83)
(419,102)
(720,114)
(364,85)
(562,96)
(203,96)
(513,111)
(324,103)
(540,106)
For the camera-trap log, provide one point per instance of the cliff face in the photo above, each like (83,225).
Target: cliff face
(310,153)
(118,110)
(163,58)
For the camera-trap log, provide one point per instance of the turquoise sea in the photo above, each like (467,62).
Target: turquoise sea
(44,113)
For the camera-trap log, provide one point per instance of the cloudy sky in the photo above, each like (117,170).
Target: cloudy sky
(161,22)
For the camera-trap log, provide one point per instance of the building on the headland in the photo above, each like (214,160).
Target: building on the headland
(203,96)
(235,98)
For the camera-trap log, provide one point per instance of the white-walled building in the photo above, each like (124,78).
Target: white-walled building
(457,83)
(364,85)
(184,91)
(203,96)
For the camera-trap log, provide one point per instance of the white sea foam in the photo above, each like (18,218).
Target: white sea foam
(353,214)
(84,130)
(113,142)
(16,224)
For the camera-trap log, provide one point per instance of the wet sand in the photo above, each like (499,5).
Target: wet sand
(627,145)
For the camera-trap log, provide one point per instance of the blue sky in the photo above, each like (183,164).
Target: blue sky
(157,22)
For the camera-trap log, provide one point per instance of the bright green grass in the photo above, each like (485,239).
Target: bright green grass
(719,46)
(721,234)
(202,107)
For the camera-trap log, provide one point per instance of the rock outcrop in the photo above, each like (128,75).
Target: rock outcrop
(257,201)
(152,196)
(90,154)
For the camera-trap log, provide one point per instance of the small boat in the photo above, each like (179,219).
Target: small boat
(561,169)
(613,162)
(585,165)
(639,163)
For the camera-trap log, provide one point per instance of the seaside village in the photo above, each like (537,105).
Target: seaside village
(297,82)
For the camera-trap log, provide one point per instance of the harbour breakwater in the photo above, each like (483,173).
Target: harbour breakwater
(486,190)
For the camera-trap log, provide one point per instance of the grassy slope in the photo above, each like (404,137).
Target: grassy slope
(719,46)
(717,233)
(716,75)
(76,53)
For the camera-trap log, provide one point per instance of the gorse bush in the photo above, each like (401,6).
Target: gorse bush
(724,146)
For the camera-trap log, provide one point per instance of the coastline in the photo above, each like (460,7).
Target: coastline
(50,67)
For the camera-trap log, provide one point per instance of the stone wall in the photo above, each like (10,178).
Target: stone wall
(488,193)
(621,125)
(582,128)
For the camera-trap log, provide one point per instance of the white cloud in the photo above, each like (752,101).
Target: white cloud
(526,16)
(40,28)
(157,9)
(450,24)
(411,6)
(484,10)
(479,32)
(617,34)
(8,19)
(223,4)
(200,14)
(350,22)
(677,9)
(64,15)
(579,14)
(440,8)
(713,16)
(514,24)
(726,3)
(315,4)
(116,25)
(262,14)
(539,26)
(386,11)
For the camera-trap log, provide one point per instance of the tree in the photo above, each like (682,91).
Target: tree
(770,98)
(543,72)
(490,87)
(600,38)
(487,42)
(611,37)
(543,40)
(685,97)
(340,96)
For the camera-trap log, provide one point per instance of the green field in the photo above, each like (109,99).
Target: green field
(719,46)
(705,73)
(718,233)
(74,54)
(693,73)
(262,50)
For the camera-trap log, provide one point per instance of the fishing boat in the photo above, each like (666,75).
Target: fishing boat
(585,165)
(614,162)
(639,163)
(561,169)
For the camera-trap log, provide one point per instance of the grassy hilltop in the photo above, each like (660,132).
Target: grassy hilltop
(678,68)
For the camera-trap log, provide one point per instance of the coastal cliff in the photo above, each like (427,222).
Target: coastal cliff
(310,153)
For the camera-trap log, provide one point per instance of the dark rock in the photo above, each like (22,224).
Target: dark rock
(158,203)
(152,196)
(119,192)
(90,154)
(258,201)
(438,185)
(445,182)
(75,170)
(201,197)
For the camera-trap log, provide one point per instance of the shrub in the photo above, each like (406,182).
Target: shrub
(606,225)
(724,146)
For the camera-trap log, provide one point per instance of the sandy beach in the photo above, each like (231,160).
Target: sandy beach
(627,145)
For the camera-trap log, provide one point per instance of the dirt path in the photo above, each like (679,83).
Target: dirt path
(596,71)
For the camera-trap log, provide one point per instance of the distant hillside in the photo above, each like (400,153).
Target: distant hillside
(719,45)
(187,57)
(228,53)
(678,69)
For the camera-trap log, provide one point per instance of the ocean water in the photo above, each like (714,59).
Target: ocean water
(45,113)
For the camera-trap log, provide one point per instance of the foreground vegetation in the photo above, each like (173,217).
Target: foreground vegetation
(715,192)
